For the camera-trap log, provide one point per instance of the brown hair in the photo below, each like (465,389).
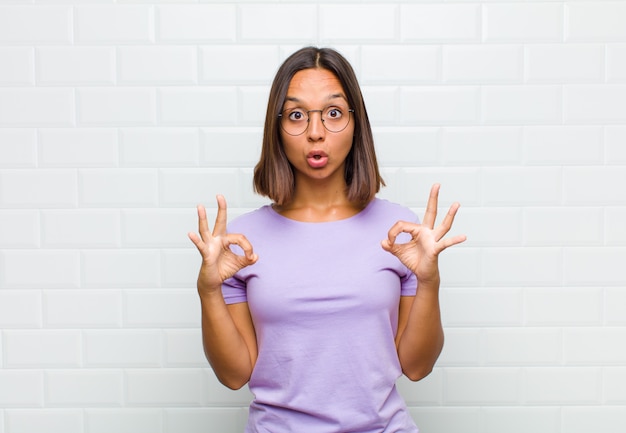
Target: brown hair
(273,174)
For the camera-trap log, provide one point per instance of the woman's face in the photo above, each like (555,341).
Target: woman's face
(317,152)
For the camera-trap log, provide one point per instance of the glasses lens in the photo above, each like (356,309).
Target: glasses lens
(296,121)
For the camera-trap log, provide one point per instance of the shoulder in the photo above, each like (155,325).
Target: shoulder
(387,210)
(251,219)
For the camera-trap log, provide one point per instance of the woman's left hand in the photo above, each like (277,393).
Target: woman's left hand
(421,253)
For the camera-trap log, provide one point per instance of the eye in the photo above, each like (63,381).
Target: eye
(333,113)
(296,115)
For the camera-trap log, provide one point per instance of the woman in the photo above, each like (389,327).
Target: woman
(324,314)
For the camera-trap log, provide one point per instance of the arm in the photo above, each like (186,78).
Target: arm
(227,331)
(420,333)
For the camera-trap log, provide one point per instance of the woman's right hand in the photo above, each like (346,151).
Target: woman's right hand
(219,262)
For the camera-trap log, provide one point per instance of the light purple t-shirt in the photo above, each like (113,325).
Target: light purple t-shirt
(324,300)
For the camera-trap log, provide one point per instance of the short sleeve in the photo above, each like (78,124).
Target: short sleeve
(408,284)
(234,291)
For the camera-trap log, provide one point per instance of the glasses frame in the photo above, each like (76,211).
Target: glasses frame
(308,120)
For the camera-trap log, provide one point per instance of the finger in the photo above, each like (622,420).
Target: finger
(431,208)
(220,220)
(446,224)
(401,227)
(203,225)
(242,242)
(448,242)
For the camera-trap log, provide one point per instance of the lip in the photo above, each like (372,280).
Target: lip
(317,158)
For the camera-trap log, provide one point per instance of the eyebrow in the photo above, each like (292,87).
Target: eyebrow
(330,97)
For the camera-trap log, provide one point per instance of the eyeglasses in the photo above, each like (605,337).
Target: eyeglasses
(295,121)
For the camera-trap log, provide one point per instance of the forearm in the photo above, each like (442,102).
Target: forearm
(421,341)
(225,347)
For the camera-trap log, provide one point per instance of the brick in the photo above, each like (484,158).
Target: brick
(167,387)
(562,385)
(580,419)
(522,266)
(588,185)
(18,66)
(183,348)
(82,308)
(482,307)
(521,104)
(560,63)
(162,308)
(462,348)
(159,147)
(36,107)
(552,226)
(440,22)
(554,306)
(118,187)
(561,145)
(21,388)
(492,145)
(80,228)
(123,420)
(402,147)
(122,348)
(439,105)
(226,147)
(55,269)
(19,229)
(614,382)
(94,147)
(269,22)
(84,388)
(454,419)
(228,64)
(191,187)
(615,306)
(120,268)
(114,24)
(18,148)
(615,232)
(179,268)
(35,24)
(594,346)
(368,22)
(75,64)
(614,139)
(219,394)
(482,64)
(457,184)
(514,186)
(202,23)
(519,22)
(116,107)
(206,106)
(521,419)
(488,227)
(253,105)
(460,267)
(594,103)
(594,265)
(195,420)
(482,386)
(44,421)
(427,391)
(38,188)
(157,65)
(156,228)
(597,21)
(400,64)
(382,104)
(616,63)
(37,349)
(531,346)
(20,309)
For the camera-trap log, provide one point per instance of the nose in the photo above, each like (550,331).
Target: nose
(316,129)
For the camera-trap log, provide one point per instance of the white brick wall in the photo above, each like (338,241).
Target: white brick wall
(117,118)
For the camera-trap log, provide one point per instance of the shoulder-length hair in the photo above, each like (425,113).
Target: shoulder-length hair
(273,174)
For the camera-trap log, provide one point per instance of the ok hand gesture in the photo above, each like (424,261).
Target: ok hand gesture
(421,253)
(218,261)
